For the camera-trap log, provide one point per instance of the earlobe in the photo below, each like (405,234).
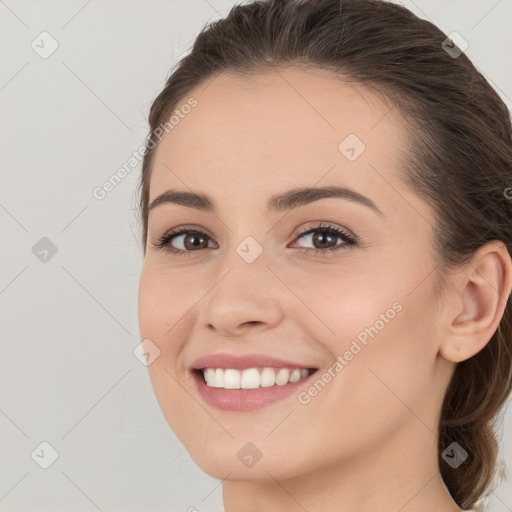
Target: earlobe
(483,288)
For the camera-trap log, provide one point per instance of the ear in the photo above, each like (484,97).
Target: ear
(477,301)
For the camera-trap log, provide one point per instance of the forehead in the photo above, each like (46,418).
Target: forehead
(255,135)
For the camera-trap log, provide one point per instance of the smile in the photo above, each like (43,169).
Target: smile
(252,378)
(243,383)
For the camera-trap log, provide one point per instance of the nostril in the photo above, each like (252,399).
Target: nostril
(252,322)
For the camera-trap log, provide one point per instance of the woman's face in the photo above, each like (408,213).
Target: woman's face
(256,283)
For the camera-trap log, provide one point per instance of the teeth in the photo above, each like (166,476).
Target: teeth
(251,378)
(268,378)
(232,379)
(283,377)
(295,375)
(218,381)
(209,376)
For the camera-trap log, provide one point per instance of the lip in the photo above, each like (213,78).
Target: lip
(243,362)
(244,400)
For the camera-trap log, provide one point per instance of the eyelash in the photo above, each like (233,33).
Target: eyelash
(349,240)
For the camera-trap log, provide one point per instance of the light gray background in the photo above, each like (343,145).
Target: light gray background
(69,325)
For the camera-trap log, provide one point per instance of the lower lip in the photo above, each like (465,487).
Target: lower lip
(243,400)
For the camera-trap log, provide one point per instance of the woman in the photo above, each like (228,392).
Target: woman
(326,213)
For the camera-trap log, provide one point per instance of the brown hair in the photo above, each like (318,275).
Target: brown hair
(458,158)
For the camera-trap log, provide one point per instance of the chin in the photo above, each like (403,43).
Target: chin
(244,461)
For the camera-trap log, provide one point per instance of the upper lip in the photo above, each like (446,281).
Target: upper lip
(242,362)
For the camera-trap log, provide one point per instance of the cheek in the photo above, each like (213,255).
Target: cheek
(336,307)
(163,319)
(163,304)
(391,378)
(384,383)
(382,333)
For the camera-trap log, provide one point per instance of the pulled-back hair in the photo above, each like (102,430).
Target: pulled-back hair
(458,157)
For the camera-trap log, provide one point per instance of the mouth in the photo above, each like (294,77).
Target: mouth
(247,383)
(251,378)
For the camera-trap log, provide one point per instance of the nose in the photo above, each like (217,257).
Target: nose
(246,297)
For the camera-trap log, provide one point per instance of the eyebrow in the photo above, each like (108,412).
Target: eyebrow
(288,200)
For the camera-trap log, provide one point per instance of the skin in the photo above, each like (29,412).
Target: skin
(368,440)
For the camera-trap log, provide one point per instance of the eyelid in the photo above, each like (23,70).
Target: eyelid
(162,243)
(187,228)
(310,226)
(319,224)
(349,239)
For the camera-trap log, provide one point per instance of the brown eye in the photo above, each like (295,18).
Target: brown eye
(323,238)
(183,241)
(194,240)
